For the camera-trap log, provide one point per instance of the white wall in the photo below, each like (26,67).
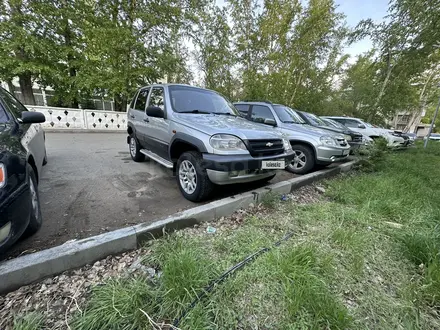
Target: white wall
(68,119)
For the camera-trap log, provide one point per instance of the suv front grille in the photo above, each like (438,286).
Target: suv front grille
(342,142)
(266,147)
(357,137)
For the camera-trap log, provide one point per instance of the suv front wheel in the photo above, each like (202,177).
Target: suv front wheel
(192,178)
(304,160)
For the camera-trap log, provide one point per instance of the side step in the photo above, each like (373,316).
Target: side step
(157,158)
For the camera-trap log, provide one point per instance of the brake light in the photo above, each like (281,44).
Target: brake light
(2,175)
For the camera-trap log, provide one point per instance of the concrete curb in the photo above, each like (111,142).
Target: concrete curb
(34,267)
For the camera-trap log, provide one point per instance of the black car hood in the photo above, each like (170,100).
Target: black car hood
(336,130)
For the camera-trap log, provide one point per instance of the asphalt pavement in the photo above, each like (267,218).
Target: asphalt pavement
(91,185)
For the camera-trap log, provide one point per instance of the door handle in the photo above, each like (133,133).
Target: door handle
(146,120)
(132,117)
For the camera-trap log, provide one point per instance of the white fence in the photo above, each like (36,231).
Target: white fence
(67,119)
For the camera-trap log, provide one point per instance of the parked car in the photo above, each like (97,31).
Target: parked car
(312,146)
(364,139)
(354,139)
(200,135)
(22,155)
(433,136)
(393,138)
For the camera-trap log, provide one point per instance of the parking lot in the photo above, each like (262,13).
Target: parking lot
(91,186)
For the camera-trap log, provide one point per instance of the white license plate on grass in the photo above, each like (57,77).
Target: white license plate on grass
(345,152)
(273,164)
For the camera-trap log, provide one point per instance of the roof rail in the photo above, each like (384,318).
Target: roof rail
(262,101)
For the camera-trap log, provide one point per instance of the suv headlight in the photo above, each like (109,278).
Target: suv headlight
(226,142)
(347,137)
(328,140)
(2,175)
(287,146)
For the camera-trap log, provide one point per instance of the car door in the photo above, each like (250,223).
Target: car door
(32,135)
(136,113)
(157,135)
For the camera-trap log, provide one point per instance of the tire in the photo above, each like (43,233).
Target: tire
(304,160)
(36,219)
(135,149)
(45,158)
(190,166)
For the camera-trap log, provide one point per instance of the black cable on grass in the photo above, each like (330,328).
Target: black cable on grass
(225,275)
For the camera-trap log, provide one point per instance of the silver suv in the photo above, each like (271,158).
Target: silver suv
(200,135)
(312,146)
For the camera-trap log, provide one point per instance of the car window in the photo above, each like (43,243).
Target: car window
(260,113)
(350,123)
(243,108)
(333,123)
(3,116)
(141,100)
(12,103)
(156,98)
(288,115)
(186,99)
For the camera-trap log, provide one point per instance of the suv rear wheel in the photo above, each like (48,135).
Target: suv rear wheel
(135,149)
(304,160)
(192,178)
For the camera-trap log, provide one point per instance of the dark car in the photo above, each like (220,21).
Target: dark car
(353,138)
(22,155)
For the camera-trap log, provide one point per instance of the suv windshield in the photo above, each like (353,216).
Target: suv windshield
(333,123)
(287,115)
(315,119)
(196,100)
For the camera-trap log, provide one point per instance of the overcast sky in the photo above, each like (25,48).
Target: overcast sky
(357,10)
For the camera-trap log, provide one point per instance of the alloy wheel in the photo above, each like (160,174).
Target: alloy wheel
(188,176)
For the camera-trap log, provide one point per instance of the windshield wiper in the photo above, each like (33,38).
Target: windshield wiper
(290,122)
(224,113)
(195,111)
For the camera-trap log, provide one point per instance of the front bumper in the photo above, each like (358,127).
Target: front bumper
(228,169)
(397,141)
(15,212)
(328,154)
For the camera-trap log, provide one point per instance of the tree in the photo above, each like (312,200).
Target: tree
(214,53)
(21,54)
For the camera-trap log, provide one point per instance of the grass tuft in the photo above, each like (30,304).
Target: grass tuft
(31,321)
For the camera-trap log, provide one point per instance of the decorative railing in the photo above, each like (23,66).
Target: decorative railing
(68,119)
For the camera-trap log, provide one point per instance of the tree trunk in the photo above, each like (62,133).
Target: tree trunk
(27,93)
(382,89)
(11,87)
(120,103)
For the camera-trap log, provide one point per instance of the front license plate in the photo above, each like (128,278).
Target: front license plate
(273,164)
(345,152)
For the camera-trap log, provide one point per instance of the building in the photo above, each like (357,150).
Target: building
(409,122)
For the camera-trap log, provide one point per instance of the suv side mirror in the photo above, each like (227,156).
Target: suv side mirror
(361,126)
(153,111)
(32,117)
(270,122)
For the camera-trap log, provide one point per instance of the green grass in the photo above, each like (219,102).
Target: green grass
(365,257)
(31,321)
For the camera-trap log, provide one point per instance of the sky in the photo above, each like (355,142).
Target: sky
(357,10)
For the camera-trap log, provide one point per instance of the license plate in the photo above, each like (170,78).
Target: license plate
(273,164)
(345,152)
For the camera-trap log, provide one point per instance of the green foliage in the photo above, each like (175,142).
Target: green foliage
(31,321)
